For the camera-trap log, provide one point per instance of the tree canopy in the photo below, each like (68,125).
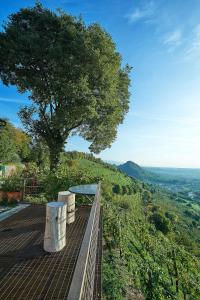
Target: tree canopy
(73,74)
(14,144)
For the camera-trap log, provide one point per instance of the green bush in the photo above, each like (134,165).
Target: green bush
(117,189)
(12,183)
(39,199)
(65,177)
(160,221)
(4,201)
(171,216)
(31,170)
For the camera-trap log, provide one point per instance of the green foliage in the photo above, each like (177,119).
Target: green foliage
(7,146)
(132,169)
(151,245)
(39,153)
(5,202)
(22,143)
(191,214)
(64,177)
(122,189)
(39,199)
(12,183)
(73,75)
(105,173)
(113,280)
(138,256)
(14,144)
(160,221)
(117,189)
(31,170)
(153,262)
(171,216)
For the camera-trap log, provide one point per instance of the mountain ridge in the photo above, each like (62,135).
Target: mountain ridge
(134,170)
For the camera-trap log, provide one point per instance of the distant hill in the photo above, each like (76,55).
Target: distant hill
(174,173)
(163,176)
(133,170)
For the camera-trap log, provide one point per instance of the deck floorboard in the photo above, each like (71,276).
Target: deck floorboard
(26,270)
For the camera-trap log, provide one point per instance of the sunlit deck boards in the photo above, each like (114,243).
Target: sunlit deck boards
(26,271)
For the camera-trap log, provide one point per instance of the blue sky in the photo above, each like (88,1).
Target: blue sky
(161,41)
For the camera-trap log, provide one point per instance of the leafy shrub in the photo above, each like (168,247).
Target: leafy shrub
(4,201)
(39,199)
(117,189)
(160,221)
(171,216)
(31,170)
(107,189)
(12,183)
(125,202)
(155,208)
(65,177)
(192,215)
(124,189)
(16,158)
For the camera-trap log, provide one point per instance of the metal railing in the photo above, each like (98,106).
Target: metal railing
(30,187)
(82,285)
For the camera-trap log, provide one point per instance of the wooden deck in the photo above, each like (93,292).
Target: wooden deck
(26,271)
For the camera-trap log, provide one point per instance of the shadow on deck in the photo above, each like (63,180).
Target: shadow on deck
(27,271)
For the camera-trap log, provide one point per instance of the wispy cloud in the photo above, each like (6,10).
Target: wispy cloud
(144,12)
(193,50)
(174,38)
(184,121)
(175,138)
(11,100)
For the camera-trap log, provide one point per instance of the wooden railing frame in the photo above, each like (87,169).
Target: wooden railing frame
(82,284)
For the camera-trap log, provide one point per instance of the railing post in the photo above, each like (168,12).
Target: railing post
(24,189)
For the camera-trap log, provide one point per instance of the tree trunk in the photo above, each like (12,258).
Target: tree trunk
(55,229)
(69,199)
(54,157)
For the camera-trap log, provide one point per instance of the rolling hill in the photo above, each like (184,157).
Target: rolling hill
(133,170)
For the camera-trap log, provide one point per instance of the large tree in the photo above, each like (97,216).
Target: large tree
(72,73)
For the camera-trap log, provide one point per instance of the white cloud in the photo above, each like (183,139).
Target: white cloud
(193,50)
(174,38)
(145,12)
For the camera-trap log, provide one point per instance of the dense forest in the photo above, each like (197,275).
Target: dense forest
(150,238)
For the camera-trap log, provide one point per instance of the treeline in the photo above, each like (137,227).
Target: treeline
(18,147)
(14,144)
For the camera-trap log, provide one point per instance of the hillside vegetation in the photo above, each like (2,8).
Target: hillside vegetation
(150,239)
